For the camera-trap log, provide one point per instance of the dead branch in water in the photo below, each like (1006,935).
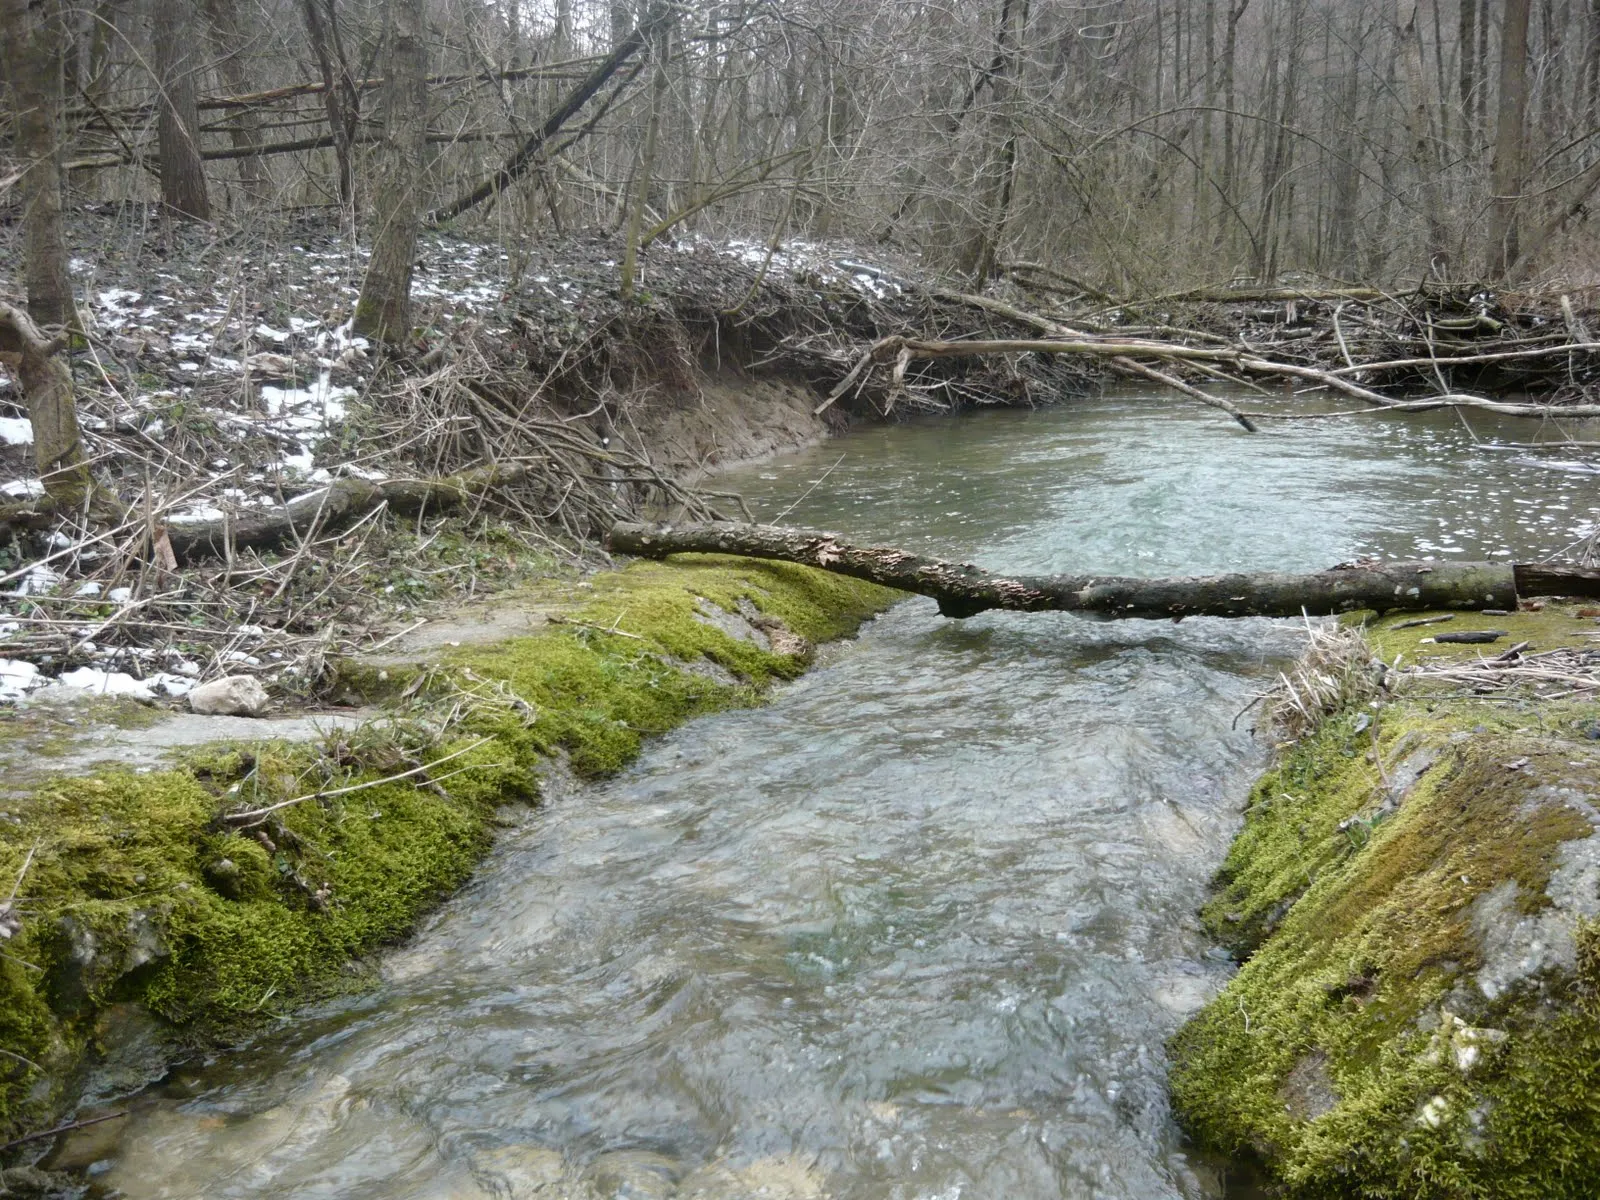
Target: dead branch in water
(1128,351)
(963,590)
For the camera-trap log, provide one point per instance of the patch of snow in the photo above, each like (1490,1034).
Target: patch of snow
(171,685)
(196,512)
(16,431)
(92,588)
(271,334)
(17,679)
(120,595)
(38,581)
(106,683)
(23,487)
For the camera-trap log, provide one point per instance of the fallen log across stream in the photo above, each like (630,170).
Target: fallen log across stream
(964,590)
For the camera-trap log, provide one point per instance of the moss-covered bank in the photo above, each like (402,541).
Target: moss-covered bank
(1418,1013)
(149,893)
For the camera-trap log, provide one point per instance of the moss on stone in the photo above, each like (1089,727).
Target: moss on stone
(1363,889)
(596,693)
(1552,624)
(136,890)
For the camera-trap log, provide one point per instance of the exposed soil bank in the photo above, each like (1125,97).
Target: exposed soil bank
(153,911)
(1414,894)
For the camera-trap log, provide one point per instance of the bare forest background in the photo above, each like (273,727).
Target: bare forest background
(1134,145)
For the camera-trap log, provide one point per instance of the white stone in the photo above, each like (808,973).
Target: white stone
(231,696)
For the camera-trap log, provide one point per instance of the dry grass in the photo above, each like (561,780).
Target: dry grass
(1336,671)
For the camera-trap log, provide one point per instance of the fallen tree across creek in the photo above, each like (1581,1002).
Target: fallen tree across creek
(964,590)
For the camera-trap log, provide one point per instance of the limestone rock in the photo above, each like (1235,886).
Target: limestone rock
(231,696)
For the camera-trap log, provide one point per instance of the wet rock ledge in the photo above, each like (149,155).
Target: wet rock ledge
(160,909)
(1414,898)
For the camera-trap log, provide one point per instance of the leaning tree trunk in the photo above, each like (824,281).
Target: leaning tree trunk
(52,411)
(384,309)
(183,175)
(964,590)
(30,38)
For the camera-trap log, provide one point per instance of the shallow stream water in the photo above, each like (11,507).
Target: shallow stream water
(916,930)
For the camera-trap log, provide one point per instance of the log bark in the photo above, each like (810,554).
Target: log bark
(964,590)
(338,504)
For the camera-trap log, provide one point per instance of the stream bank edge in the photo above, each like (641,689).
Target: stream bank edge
(146,925)
(1413,897)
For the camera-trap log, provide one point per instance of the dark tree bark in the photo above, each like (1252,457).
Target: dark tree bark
(340,96)
(52,409)
(1466,74)
(177,58)
(647,164)
(1509,150)
(964,590)
(30,37)
(384,309)
(243,126)
(528,155)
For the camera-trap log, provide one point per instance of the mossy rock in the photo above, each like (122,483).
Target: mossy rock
(1416,1015)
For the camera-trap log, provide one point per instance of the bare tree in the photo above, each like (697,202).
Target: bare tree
(384,310)
(1510,121)
(177,59)
(30,37)
(340,96)
(244,125)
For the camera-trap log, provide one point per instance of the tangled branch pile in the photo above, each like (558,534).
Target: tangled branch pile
(283,493)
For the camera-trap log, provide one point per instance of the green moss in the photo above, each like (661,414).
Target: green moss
(1554,624)
(1354,887)
(596,692)
(137,888)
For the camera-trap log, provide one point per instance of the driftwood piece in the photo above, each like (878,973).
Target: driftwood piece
(964,590)
(340,503)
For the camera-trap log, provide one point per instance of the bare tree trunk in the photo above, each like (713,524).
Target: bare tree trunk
(1419,135)
(183,174)
(339,93)
(30,40)
(384,310)
(1002,172)
(243,126)
(52,410)
(1510,122)
(647,162)
(1203,222)
(1230,100)
(1466,74)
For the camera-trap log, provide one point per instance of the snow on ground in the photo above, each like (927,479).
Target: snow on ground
(17,679)
(234,367)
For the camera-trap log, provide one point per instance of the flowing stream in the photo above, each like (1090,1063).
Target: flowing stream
(919,928)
